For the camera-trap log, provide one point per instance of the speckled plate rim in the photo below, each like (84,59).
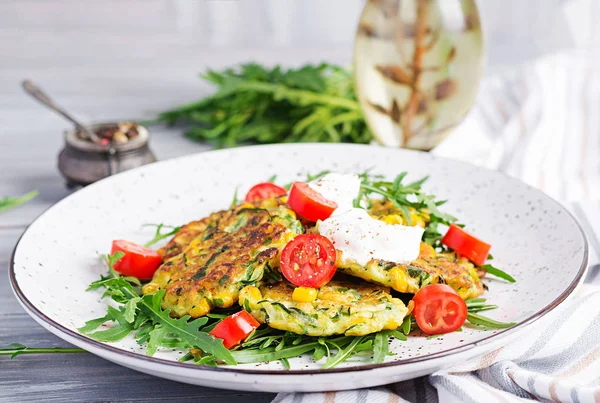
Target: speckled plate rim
(82,340)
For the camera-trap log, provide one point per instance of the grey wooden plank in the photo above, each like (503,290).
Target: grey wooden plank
(85,377)
(8,239)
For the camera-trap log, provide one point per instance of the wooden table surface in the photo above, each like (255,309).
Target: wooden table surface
(116,60)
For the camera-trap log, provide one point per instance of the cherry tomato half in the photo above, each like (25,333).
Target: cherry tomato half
(235,328)
(138,261)
(309,203)
(265,190)
(466,244)
(308,260)
(439,309)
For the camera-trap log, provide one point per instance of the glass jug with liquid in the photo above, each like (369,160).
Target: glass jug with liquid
(417,66)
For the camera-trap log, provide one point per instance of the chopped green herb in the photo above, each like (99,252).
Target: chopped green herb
(159,236)
(488,323)
(498,273)
(18,349)
(9,202)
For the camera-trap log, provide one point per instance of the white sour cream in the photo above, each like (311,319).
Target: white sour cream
(340,188)
(362,238)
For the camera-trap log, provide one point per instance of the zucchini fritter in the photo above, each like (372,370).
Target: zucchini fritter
(235,249)
(191,230)
(429,268)
(353,308)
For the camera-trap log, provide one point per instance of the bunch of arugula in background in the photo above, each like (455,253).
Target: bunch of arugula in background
(254,104)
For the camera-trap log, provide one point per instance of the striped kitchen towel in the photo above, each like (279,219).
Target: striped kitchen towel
(540,124)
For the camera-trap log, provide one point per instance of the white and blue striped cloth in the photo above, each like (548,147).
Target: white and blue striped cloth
(541,125)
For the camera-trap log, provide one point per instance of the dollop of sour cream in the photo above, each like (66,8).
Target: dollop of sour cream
(340,188)
(362,238)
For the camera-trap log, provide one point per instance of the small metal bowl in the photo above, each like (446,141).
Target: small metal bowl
(82,162)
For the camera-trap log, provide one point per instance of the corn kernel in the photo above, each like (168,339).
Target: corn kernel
(392,324)
(416,220)
(249,292)
(305,294)
(393,219)
(150,288)
(358,321)
(225,300)
(426,250)
(269,203)
(202,308)
(400,279)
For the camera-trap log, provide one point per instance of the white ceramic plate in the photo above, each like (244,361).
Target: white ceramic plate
(533,238)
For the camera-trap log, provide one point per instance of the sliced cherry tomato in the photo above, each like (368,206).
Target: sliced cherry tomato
(309,203)
(138,261)
(265,190)
(235,328)
(439,309)
(308,260)
(466,244)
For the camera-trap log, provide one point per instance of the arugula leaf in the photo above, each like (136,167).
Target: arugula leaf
(159,236)
(270,354)
(235,200)
(319,352)
(156,337)
(343,353)
(406,325)
(94,324)
(130,307)
(498,273)
(112,259)
(117,332)
(381,348)
(186,330)
(488,323)
(18,349)
(405,196)
(9,202)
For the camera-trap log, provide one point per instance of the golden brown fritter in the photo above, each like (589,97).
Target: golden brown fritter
(188,232)
(236,249)
(429,268)
(343,306)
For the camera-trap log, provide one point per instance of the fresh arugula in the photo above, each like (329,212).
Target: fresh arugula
(9,202)
(478,305)
(235,200)
(159,235)
(494,271)
(255,104)
(151,324)
(487,323)
(137,312)
(404,196)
